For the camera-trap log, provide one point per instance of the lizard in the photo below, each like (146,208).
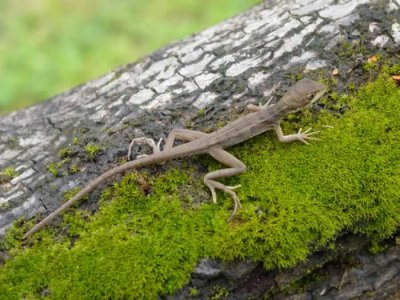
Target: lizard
(259,120)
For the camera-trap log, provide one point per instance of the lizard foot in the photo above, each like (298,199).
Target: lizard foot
(234,186)
(306,135)
(229,190)
(144,141)
(236,206)
(255,108)
(266,104)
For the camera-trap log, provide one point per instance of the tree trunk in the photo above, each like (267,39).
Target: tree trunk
(254,55)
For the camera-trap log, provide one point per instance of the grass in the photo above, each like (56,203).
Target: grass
(150,232)
(50,46)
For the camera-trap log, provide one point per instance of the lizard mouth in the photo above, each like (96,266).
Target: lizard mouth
(317,96)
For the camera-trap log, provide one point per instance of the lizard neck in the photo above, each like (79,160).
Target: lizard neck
(280,109)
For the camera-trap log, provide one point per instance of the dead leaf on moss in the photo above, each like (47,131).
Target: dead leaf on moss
(373,59)
(396,78)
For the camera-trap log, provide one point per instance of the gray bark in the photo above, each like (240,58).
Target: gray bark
(252,55)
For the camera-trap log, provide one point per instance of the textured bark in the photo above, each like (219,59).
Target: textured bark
(220,68)
(343,273)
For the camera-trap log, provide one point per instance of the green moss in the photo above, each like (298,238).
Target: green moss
(377,247)
(188,124)
(65,152)
(221,124)
(369,66)
(219,293)
(12,143)
(52,168)
(55,168)
(372,63)
(69,194)
(10,172)
(351,87)
(144,241)
(73,169)
(7,175)
(348,50)
(92,150)
(391,69)
(311,277)
(193,292)
(5,206)
(201,112)
(296,76)
(345,50)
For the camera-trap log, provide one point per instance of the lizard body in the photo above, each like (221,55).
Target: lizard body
(258,121)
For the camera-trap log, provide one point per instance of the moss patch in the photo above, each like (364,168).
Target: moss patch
(55,168)
(92,150)
(144,242)
(7,175)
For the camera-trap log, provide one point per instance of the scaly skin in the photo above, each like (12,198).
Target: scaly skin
(258,121)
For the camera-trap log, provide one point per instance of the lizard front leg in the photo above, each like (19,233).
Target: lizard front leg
(299,136)
(255,108)
(236,167)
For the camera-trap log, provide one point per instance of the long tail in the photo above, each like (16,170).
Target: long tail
(148,160)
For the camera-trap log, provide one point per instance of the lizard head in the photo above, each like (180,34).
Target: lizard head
(302,93)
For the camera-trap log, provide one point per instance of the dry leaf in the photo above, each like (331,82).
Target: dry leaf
(335,71)
(396,78)
(373,59)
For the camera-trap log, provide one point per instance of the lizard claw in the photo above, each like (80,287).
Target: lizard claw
(236,206)
(266,104)
(234,186)
(236,200)
(213,193)
(255,108)
(144,141)
(303,136)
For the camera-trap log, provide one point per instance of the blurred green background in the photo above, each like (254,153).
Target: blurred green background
(48,46)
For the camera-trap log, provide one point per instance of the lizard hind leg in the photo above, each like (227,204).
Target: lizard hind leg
(236,167)
(144,141)
(182,134)
(177,133)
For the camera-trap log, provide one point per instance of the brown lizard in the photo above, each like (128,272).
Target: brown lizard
(259,120)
